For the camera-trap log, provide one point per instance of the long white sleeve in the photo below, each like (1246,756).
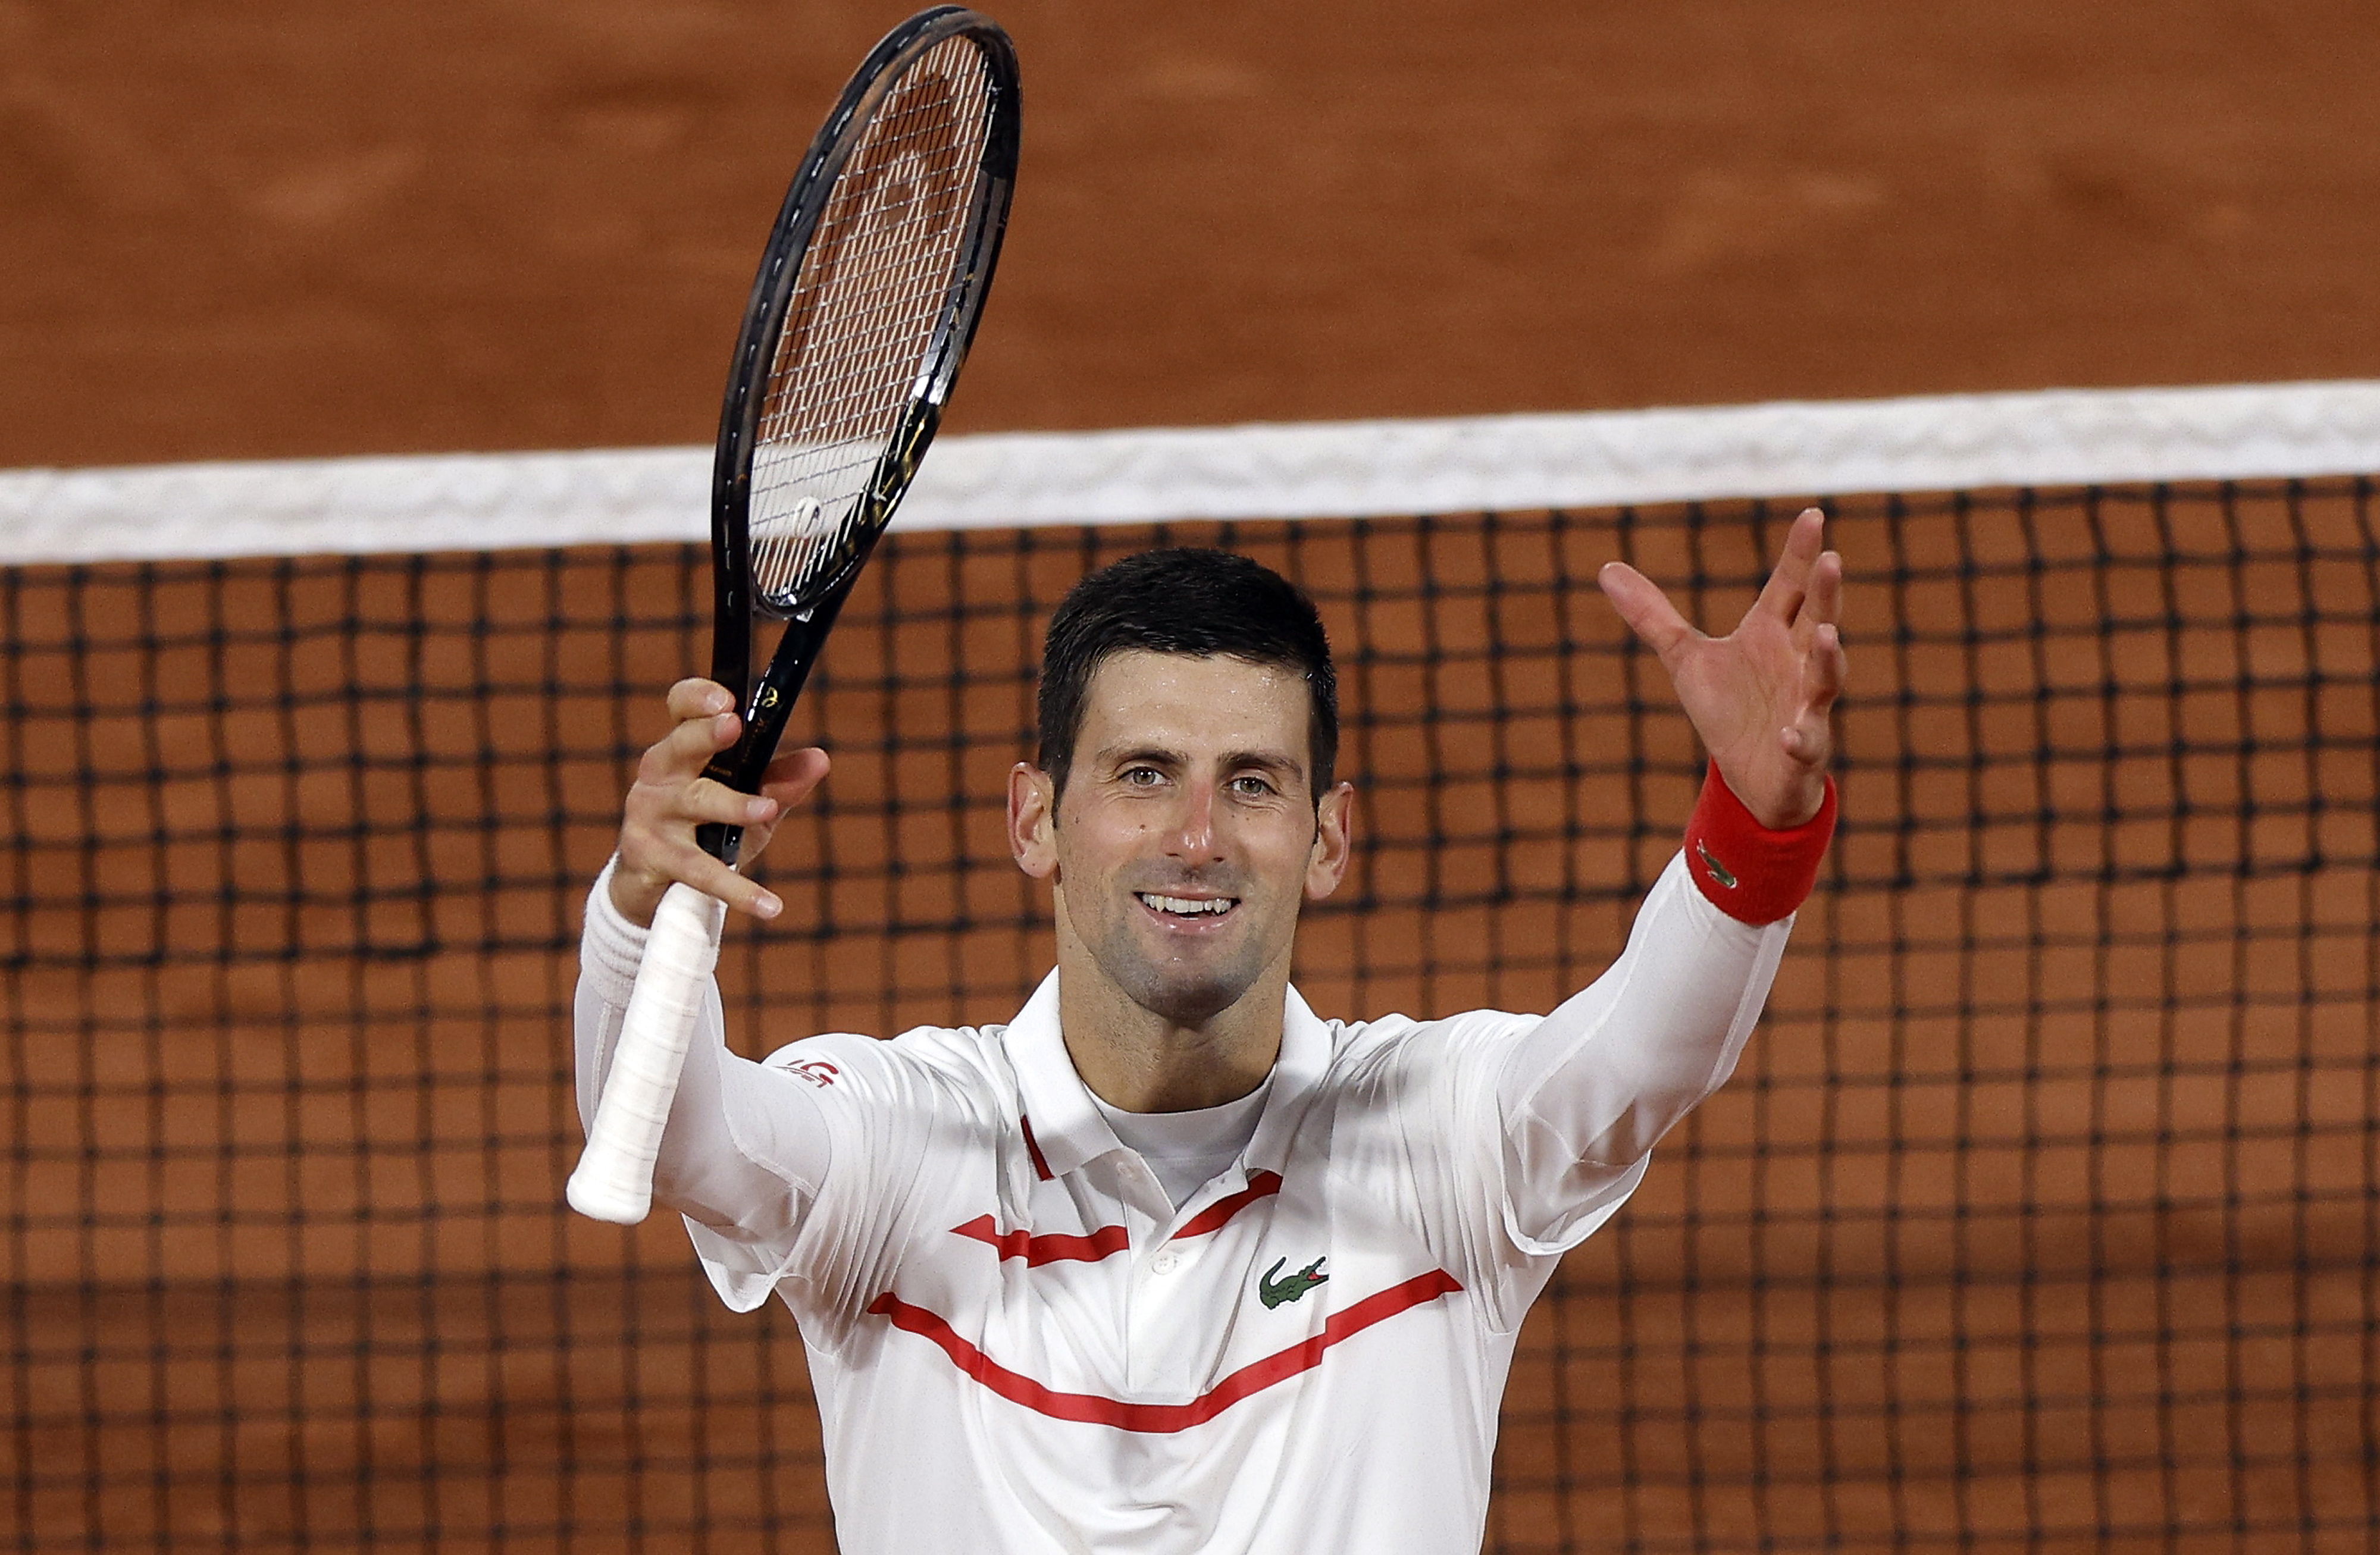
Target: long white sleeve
(1587,1092)
(745,1152)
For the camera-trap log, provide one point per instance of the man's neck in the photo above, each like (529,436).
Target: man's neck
(1134,1059)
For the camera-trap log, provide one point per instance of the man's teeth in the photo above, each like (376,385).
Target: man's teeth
(1184,904)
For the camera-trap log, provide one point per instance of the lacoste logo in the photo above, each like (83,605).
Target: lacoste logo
(1718,870)
(1273,1292)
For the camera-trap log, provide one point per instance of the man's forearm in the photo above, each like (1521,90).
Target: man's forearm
(1601,1080)
(1606,1075)
(731,1156)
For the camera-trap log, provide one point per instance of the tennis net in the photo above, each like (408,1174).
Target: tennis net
(2041,1215)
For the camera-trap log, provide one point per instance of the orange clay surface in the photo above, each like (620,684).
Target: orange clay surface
(302,227)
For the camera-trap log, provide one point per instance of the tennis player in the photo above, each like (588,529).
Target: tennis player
(1170,1263)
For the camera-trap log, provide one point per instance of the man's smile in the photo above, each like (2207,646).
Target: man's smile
(1186,909)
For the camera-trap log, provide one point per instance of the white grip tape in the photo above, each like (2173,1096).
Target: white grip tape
(615,1180)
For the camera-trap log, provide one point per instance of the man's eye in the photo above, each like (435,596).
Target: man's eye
(1143,777)
(1251,787)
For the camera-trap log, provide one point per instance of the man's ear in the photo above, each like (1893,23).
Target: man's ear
(1032,818)
(1334,834)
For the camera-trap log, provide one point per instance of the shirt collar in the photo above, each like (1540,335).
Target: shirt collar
(1066,1125)
(1305,1056)
(1066,1128)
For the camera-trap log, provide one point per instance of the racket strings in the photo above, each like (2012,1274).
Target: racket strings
(861,325)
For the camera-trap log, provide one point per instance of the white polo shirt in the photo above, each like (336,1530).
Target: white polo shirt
(1020,1344)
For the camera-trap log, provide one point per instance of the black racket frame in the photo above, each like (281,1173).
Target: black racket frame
(766,705)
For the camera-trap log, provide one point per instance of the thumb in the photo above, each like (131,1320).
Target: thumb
(1647,609)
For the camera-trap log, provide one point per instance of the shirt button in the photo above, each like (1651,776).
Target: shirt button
(1165,1262)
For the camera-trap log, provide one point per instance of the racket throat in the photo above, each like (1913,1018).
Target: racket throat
(766,710)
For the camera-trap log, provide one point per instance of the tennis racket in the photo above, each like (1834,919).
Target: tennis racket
(868,296)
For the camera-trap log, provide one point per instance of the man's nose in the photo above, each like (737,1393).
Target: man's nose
(1194,840)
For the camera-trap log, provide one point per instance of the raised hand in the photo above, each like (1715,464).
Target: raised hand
(671,797)
(1760,696)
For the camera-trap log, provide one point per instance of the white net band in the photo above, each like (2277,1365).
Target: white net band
(1321,470)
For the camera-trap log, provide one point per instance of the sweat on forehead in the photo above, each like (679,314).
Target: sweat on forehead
(1191,601)
(1176,707)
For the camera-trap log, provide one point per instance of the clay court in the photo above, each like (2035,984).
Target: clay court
(303,228)
(2043,1218)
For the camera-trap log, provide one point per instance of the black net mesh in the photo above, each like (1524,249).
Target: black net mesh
(2041,1215)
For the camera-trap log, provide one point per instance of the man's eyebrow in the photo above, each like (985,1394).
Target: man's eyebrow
(1156,755)
(1264,760)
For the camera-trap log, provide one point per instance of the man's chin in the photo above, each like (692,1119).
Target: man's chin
(1186,998)
(1184,984)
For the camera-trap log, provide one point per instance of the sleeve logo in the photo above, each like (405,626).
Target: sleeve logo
(817,1071)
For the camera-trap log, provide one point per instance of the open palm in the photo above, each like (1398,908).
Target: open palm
(1759,697)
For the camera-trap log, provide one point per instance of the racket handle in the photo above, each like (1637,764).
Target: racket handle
(614,1179)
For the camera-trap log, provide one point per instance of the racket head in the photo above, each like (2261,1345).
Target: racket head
(866,301)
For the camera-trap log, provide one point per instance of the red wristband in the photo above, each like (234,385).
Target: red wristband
(1749,872)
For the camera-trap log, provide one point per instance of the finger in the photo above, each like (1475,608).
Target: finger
(653,857)
(1823,669)
(707,875)
(661,819)
(1823,603)
(1810,738)
(687,748)
(1781,595)
(697,697)
(793,774)
(1647,609)
(707,799)
(1812,745)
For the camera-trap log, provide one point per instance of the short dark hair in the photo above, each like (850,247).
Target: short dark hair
(1206,604)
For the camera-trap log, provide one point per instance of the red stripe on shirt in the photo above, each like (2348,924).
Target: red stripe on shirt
(1033,1146)
(1106,1242)
(1261,1185)
(1163,1418)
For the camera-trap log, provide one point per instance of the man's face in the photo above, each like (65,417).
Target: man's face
(1187,836)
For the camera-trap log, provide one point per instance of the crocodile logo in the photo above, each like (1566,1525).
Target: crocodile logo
(1274,1291)
(1719,871)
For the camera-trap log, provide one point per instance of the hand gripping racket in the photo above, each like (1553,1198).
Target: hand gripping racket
(868,296)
